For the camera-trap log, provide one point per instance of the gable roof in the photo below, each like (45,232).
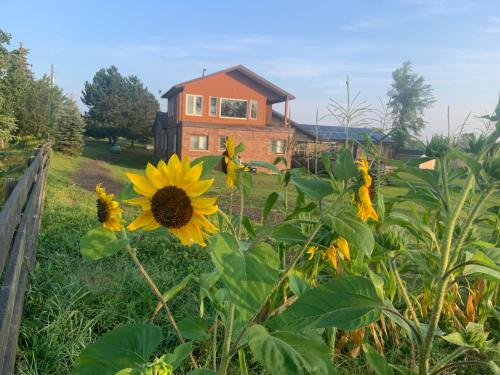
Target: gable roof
(339,133)
(261,81)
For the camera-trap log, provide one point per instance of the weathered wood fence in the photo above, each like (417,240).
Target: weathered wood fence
(19,225)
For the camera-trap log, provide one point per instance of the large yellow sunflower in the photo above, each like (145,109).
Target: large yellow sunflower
(108,210)
(171,197)
(229,166)
(365,207)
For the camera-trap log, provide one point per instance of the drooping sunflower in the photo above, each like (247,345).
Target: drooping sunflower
(172,198)
(108,211)
(229,166)
(364,203)
(339,245)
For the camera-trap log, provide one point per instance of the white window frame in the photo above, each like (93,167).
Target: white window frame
(233,118)
(198,149)
(225,139)
(194,105)
(216,106)
(275,151)
(256,102)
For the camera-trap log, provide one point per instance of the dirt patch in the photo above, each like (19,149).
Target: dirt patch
(92,172)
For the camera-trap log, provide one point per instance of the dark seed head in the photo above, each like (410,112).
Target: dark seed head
(223,164)
(171,207)
(102,211)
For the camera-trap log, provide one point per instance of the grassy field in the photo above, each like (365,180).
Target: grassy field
(71,302)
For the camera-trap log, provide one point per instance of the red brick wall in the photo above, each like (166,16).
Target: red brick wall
(257,141)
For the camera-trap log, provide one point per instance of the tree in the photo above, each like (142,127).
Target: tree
(118,106)
(68,128)
(409,96)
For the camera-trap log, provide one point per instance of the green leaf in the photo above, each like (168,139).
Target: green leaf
(489,270)
(268,206)
(344,167)
(264,164)
(469,161)
(128,346)
(247,224)
(354,231)
(290,353)
(126,193)
(180,353)
(297,284)
(176,289)
(100,243)
(246,180)
(457,338)
(288,233)
(347,303)
(315,188)
(376,361)
(248,275)
(209,163)
(194,328)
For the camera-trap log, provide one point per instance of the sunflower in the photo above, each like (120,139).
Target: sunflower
(108,210)
(364,203)
(172,198)
(229,166)
(311,251)
(339,245)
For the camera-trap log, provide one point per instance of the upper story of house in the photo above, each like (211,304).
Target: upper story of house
(233,96)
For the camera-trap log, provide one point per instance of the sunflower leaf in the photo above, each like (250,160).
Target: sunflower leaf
(209,163)
(100,243)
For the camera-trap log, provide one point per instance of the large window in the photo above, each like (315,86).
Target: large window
(278,147)
(199,142)
(254,108)
(194,105)
(213,106)
(222,143)
(233,108)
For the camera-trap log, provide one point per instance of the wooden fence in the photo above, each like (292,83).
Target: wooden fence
(19,225)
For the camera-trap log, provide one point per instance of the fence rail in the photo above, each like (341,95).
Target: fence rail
(19,226)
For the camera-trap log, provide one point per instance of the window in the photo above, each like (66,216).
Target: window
(199,142)
(254,106)
(222,143)
(233,108)
(278,147)
(213,106)
(194,105)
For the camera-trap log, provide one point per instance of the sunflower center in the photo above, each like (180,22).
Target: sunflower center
(171,207)
(102,211)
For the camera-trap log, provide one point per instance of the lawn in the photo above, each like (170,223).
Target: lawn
(71,302)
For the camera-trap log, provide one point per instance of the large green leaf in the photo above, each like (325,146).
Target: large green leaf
(264,164)
(487,267)
(288,233)
(354,231)
(179,354)
(100,243)
(347,303)
(194,328)
(376,361)
(290,353)
(248,275)
(128,346)
(344,167)
(209,163)
(270,201)
(315,188)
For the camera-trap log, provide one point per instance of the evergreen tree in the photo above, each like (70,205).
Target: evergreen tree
(68,128)
(7,119)
(409,96)
(118,106)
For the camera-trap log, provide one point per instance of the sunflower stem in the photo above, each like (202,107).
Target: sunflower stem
(242,204)
(226,358)
(133,255)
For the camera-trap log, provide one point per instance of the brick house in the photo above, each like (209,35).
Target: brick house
(233,102)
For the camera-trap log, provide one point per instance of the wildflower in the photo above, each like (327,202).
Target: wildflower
(229,166)
(311,251)
(108,210)
(172,198)
(364,203)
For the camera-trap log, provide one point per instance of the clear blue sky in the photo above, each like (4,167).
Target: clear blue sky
(306,47)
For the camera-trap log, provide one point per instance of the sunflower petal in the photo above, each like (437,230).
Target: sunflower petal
(155,177)
(144,202)
(141,184)
(142,221)
(199,187)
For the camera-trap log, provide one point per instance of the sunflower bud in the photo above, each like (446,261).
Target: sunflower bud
(158,367)
(390,240)
(476,336)
(438,146)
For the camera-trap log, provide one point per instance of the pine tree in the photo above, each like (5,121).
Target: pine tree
(68,128)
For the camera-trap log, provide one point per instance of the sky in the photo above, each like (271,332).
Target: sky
(306,47)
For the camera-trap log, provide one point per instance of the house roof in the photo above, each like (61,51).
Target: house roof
(269,86)
(339,133)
